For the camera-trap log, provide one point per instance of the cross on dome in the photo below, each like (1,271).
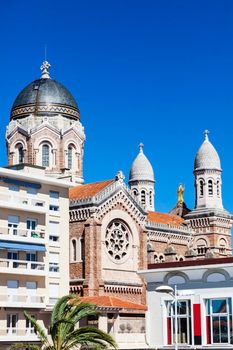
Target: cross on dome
(206,133)
(45,70)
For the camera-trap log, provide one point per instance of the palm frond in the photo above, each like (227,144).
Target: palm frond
(82,310)
(64,335)
(38,329)
(61,306)
(89,335)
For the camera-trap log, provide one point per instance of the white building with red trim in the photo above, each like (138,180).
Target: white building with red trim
(204,308)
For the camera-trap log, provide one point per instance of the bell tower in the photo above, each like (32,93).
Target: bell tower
(209,220)
(208,180)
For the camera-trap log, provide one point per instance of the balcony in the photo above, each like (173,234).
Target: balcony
(15,201)
(22,267)
(18,334)
(25,301)
(22,235)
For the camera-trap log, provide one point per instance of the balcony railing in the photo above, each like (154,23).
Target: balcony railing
(19,331)
(16,199)
(17,334)
(21,265)
(11,231)
(17,298)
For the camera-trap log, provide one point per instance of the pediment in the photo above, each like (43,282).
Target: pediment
(16,129)
(45,126)
(74,131)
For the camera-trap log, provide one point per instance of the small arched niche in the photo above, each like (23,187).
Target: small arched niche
(176,279)
(216,277)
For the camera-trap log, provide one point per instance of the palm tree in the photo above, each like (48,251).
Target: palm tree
(63,335)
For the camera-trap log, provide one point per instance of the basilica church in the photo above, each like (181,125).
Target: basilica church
(114,228)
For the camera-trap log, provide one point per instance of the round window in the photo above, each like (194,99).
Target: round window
(117,240)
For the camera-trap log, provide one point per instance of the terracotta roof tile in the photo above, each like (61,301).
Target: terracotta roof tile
(89,190)
(162,218)
(112,302)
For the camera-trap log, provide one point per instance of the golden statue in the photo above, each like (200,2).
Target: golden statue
(180,192)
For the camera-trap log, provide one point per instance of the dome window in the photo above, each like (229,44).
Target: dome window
(210,187)
(45,155)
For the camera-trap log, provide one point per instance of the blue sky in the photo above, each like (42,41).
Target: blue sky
(156,71)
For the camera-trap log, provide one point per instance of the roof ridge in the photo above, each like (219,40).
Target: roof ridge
(88,190)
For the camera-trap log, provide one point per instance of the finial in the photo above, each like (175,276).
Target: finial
(206,133)
(141,147)
(45,70)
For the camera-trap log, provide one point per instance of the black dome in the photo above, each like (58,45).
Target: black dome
(44,97)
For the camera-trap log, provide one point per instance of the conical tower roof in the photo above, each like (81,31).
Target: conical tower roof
(207,156)
(141,168)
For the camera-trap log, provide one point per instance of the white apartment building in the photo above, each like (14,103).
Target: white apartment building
(34,249)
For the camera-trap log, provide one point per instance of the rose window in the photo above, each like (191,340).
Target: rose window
(117,240)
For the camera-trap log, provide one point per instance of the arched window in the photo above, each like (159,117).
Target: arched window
(135,193)
(70,157)
(45,155)
(74,250)
(218,188)
(143,197)
(210,188)
(19,154)
(82,250)
(201,188)
(151,195)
